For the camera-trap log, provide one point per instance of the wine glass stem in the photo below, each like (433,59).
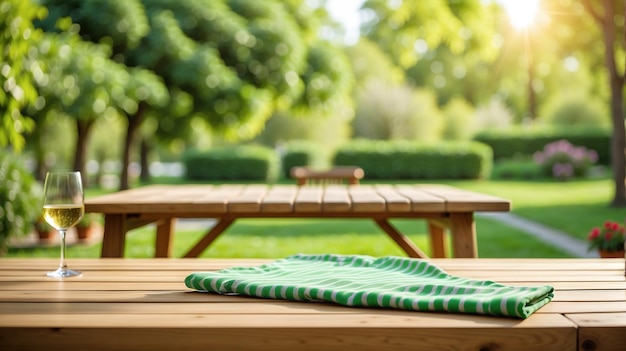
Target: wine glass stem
(62,264)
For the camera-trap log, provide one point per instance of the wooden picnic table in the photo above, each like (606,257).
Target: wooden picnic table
(143,304)
(444,207)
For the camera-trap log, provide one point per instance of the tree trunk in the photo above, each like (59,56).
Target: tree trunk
(144,156)
(40,158)
(616,81)
(134,122)
(80,155)
(604,14)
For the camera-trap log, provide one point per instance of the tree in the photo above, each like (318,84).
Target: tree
(16,35)
(77,79)
(606,14)
(397,26)
(234,62)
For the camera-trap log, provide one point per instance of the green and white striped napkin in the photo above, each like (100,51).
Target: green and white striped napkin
(364,281)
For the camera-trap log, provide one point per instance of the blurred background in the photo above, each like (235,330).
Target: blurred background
(131,92)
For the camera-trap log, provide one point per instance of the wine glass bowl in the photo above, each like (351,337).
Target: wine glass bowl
(63,207)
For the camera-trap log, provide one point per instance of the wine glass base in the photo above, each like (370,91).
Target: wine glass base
(64,273)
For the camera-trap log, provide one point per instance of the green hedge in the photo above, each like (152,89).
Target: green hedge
(301,153)
(411,160)
(232,163)
(525,142)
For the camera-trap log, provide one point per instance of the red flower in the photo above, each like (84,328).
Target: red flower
(595,232)
(609,237)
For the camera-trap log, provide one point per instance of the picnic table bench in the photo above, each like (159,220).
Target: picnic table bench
(337,175)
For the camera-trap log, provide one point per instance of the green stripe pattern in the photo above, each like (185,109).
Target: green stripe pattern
(364,281)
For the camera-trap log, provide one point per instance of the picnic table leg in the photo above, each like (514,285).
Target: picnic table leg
(114,236)
(463,232)
(402,240)
(208,238)
(437,239)
(164,230)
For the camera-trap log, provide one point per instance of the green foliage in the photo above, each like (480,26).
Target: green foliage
(392,112)
(526,141)
(122,22)
(327,81)
(459,25)
(370,62)
(232,163)
(20,199)
(16,81)
(79,80)
(228,64)
(523,168)
(412,160)
(327,132)
(575,110)
(459,120)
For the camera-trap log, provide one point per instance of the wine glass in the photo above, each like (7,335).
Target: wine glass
(63,207)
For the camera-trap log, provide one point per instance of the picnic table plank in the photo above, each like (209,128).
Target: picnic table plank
(302,332)
(396,202)
(309,199)
(365,199)
(459,200)
(336,199)
(279,198)
(421,200)
(248,200)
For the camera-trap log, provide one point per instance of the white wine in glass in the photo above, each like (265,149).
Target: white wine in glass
(63,207)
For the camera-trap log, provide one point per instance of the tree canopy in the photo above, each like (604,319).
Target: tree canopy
(18,91)
(231,63)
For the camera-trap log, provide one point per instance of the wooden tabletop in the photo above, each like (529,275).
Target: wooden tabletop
(444,207)
(143,304)
(194,200)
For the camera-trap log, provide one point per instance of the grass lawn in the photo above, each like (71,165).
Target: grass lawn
(272,238)
(573,207)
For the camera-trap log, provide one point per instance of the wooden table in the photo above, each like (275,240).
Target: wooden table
(143,304)
(444,207)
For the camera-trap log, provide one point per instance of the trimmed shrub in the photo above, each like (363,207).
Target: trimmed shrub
(412,160)
(301,153)
(520,142)
(232,163)
(516,168)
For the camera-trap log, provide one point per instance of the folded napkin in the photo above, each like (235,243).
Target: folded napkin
(364,281)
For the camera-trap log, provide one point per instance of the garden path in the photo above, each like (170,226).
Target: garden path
(549,235)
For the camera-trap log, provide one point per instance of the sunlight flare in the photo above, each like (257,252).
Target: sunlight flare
(521,13)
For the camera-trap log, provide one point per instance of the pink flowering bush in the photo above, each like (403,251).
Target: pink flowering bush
(609,237)
(562,160)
